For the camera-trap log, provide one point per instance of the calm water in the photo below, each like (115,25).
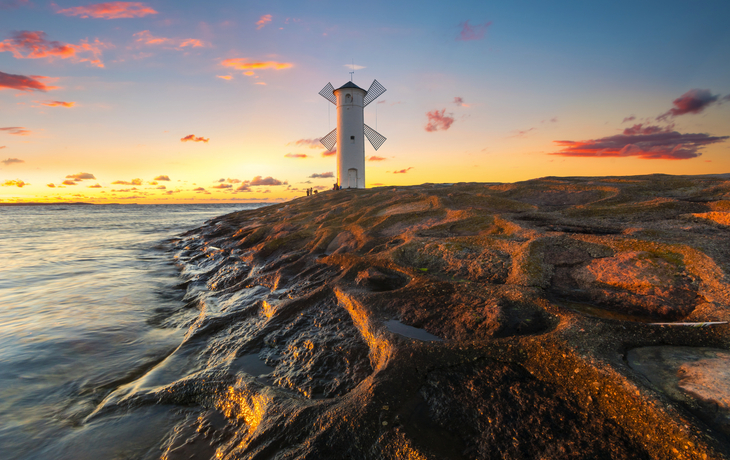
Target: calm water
(78,287)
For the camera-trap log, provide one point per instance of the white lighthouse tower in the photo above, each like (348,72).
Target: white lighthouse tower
(351,130)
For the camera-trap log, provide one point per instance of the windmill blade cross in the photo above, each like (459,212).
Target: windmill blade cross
(375,138)
(329,140)
(375,90)
(327,93)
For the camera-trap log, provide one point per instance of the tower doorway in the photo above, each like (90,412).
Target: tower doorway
(352,178)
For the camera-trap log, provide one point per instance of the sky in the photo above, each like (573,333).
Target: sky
(181,101)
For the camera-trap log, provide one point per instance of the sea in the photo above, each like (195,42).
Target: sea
(79,289)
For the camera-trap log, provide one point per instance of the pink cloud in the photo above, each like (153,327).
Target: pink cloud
(26,44)
(473,32)
(376,158)
(402,171)
(645,142)
(263,20)
(438,120)
(191,137)
(110,10)
(296,155)
(329,153)
(459,101)
(16,130)
(631,118)
(146,38)
(23,83)
(693,101)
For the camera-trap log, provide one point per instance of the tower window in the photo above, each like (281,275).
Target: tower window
(352,139)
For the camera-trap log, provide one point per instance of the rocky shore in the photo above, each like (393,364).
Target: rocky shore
(554,318)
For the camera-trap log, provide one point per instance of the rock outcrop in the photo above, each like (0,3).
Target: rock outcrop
(545,294)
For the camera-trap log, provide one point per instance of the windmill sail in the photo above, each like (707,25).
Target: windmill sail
(330,140)
(327,93)
(375,138)
(375,90)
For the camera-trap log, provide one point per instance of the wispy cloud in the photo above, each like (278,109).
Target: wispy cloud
(124,182)
(459,101)
(402,171)
(80,176)
(162,177)
(296,155)
(225,77)
(263,20)
(631,118)
(249,66)
(11,161)
(16,183)
(522,133)
(265,181)
(94,186)
(68,182)
(51,185)
(222,186)
(311,143)
(438,120)
(146,38)
(23,83)
(693,101)
(475,32)
(322,175)
(12,4)
(329,153)
(16,130)
(192,138)
(645,142)
(110,10)
(58,104)
(26,44)
(376,158)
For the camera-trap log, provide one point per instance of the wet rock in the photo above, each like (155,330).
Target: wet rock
(304,295)
(376,279)
(698,377)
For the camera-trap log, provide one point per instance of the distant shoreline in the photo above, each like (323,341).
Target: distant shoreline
(35,203)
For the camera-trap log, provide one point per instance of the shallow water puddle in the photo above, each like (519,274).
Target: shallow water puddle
(410,331)
(252,365)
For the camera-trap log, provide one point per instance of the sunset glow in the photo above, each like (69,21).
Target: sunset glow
(100,100)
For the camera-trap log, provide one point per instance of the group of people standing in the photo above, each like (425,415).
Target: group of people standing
(311,191)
